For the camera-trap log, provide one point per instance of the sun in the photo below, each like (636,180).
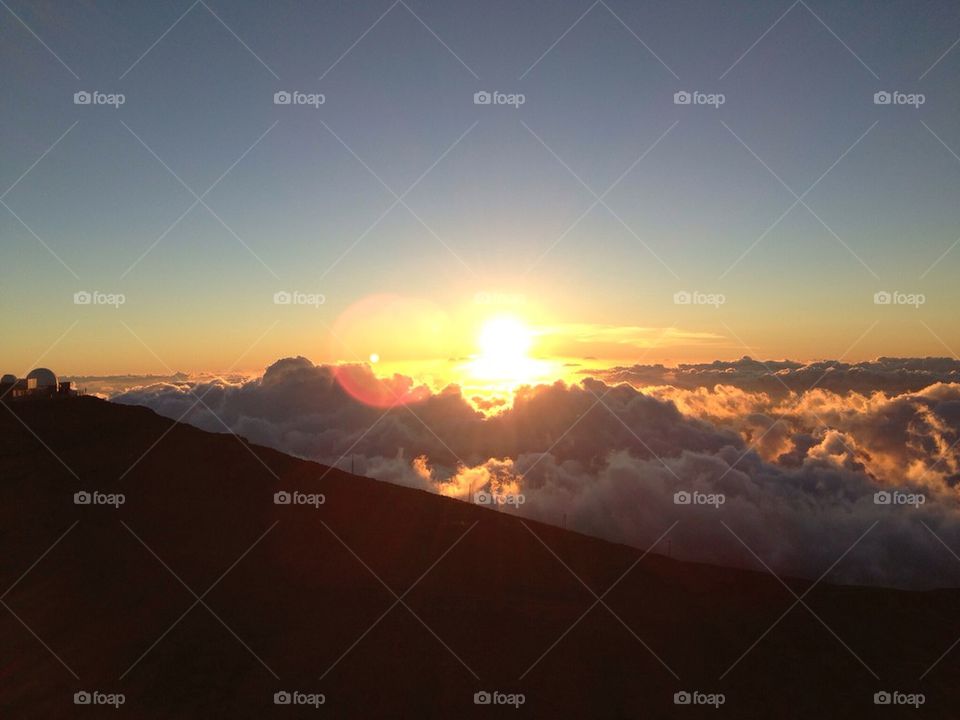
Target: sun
(504,361)
(504,340)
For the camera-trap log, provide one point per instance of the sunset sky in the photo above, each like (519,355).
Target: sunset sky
(498,211)
(655,300)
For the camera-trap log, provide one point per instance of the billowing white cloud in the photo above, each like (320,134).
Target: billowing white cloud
(797,471)
(775,377)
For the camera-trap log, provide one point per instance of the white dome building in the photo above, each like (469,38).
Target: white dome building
(39,383)
(45,378)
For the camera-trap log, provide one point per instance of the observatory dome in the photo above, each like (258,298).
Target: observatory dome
(44,377)
(8,379)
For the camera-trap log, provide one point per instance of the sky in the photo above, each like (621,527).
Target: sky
(416,214)
(374,233)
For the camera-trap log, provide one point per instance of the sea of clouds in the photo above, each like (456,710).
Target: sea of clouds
(798,453)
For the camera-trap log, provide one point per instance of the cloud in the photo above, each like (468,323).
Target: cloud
(798,470)
(110,385)
(911,436)
(891,375)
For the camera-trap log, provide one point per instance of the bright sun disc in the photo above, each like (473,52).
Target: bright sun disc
(503,363)
(504,339)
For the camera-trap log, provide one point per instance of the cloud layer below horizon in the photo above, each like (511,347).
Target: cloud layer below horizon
(798,451)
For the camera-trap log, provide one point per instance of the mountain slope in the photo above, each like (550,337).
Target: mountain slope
(199,597)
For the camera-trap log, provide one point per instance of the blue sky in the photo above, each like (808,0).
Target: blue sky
(501,202)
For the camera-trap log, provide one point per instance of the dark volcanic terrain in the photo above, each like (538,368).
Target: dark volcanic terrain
(201,598)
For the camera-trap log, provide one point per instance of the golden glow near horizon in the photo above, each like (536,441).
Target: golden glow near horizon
(434,337)
(488,343)
(489,347)
(487,351)
(504,362)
